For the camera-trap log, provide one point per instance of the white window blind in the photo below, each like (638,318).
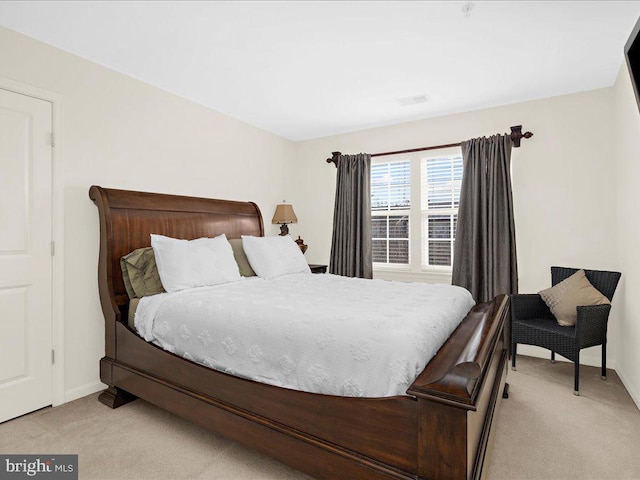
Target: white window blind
(391,186)
(441,179)
(390,207)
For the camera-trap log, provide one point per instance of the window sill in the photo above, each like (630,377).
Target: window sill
(406,275)
(391,268)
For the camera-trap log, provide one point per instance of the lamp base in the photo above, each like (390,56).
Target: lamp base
(284,229)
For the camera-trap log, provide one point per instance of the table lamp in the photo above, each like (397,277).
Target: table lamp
(283,216)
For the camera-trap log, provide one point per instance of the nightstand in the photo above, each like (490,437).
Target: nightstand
(318,268)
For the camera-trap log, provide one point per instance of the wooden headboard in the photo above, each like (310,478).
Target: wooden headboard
(127,218)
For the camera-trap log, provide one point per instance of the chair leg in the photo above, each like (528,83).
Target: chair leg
(514,349)
(576,380)
(604,361)
(553,356)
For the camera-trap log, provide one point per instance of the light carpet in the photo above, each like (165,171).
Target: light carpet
(542,431)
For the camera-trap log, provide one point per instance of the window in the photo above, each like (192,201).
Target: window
(422,190)
(441,178)
(390,208)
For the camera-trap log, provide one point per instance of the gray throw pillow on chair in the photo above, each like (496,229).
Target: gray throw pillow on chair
(563,298)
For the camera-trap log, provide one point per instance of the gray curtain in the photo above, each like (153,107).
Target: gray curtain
(484,260)
(351,253)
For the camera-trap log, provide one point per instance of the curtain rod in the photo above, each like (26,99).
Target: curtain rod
(516,136)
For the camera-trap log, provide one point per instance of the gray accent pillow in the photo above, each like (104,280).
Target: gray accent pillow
(241,258)
(563,298)
(133,306)
(140,273)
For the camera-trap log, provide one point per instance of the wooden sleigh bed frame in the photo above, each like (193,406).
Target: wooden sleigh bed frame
(439,430)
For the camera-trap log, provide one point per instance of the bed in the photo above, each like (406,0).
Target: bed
(440,429)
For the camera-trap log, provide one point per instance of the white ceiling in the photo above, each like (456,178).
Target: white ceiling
(309,69)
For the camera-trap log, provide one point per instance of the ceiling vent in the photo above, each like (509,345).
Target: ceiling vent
(406,101)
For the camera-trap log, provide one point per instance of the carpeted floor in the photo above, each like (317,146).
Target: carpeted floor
(542,431)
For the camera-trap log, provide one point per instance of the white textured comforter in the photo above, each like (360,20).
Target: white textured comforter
(316,333)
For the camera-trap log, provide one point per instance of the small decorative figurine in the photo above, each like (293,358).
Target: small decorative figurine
(301,244)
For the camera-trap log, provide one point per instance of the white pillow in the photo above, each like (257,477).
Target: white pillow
(194,263)
(274,256)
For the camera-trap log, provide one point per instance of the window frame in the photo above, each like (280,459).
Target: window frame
(415,213)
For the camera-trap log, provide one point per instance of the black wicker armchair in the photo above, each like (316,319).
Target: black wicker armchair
(533,323)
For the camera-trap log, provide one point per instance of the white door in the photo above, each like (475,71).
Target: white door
(25,255)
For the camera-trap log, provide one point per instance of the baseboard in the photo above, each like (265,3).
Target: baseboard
(592,359)
(634,395)
(83,391)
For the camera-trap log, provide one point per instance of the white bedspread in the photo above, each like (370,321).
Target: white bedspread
(316,333)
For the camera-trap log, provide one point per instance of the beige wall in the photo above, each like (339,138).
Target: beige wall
(563,183)
(626,137)
(120,132)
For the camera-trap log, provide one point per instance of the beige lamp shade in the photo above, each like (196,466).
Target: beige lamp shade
(284,214)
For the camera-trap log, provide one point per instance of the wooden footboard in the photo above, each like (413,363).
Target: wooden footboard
(439,430)
(458,393)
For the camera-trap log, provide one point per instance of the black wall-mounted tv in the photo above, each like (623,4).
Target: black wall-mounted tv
(632,54)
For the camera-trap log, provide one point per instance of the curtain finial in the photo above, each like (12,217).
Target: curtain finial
(517,135)
(334,158)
